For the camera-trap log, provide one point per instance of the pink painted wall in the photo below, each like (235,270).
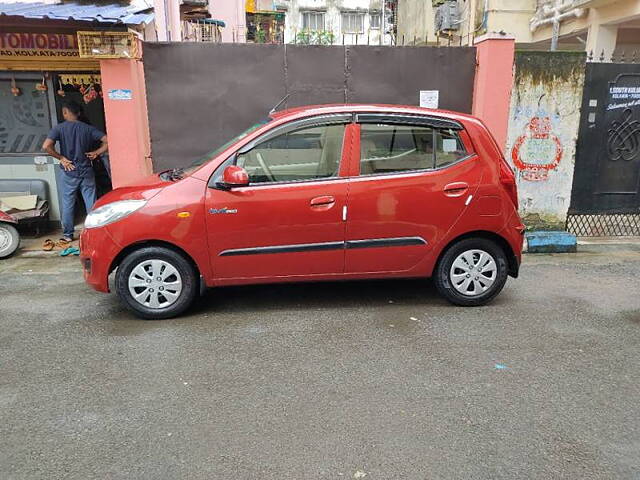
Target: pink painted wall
(233,14)
(127,121)
(493,83)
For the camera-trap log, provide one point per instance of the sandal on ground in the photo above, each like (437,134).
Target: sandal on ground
(70,251)
(48,245)
(63,242)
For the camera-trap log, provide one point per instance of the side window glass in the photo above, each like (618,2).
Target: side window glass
(304,154)
(449,148)
(387,148)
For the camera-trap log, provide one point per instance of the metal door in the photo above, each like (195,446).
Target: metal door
(605,199)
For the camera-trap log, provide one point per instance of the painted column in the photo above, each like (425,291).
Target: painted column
(167,20)
(543,128)
(232,12)
(125,107)
(602,39)
(493,83)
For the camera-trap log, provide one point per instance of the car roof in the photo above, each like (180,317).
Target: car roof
(310,110)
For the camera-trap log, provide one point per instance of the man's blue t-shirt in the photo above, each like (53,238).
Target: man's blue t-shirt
(76,139)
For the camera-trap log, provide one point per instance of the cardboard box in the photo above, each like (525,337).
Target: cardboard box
(18,202)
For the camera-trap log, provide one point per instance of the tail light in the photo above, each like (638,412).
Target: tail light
(508,180)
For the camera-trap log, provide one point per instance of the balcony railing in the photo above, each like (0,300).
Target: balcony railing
(200,31)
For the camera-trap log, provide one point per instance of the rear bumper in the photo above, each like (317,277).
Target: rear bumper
(514,234)
(97,252)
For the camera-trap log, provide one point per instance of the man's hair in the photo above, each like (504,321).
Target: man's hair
(74,107)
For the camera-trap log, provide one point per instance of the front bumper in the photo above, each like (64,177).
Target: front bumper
(97,252)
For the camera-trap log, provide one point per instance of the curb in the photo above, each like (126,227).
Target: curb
(550,242)
(36,254)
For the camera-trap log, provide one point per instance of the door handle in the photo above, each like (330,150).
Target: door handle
(323,200)
(456,189)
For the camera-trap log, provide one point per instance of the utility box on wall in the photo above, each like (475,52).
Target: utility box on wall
(447,16)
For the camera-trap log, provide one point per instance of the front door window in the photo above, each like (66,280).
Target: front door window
(305,154)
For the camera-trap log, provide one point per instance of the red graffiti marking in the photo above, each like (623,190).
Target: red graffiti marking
(535,165)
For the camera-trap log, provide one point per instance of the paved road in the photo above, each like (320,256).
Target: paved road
(381,379)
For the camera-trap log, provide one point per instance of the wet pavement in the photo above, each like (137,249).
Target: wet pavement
(339,380)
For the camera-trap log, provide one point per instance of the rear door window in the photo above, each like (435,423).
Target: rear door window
(449,147)
(389,148)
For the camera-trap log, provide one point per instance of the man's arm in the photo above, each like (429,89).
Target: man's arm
(48,145)
(100,150)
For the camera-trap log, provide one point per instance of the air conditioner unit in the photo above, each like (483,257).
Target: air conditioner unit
(447,16)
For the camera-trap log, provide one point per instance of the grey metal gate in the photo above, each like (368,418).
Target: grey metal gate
(605,198)
(200,95)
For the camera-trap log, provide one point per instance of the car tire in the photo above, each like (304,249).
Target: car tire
(9,240)
(471,272)
(156,283)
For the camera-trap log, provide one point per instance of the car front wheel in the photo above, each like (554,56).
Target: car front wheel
(9,239)
(156,283)
(472,272)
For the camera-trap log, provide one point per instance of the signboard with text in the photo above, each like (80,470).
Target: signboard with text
(44,51)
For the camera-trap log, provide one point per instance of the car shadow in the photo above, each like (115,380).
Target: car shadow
(318,295)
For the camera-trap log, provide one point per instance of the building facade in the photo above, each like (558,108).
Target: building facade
(609,26)
(185,21)
(346,22)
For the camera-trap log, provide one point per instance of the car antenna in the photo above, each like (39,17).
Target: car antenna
(284,99)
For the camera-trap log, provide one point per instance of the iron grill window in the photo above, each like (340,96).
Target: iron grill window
(374,21)
(353,22)
(24,118)
(313,21)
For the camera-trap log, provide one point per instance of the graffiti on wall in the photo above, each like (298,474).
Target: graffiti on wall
(543,127)
(538,150)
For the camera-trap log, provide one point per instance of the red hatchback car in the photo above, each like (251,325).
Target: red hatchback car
(316,193)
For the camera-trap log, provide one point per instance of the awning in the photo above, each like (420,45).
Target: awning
(212,21)
(113,13)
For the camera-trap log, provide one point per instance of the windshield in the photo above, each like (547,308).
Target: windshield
(213,153)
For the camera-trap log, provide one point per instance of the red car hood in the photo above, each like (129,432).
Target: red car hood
(143,189)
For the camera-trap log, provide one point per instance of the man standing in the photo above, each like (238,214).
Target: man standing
(76,141)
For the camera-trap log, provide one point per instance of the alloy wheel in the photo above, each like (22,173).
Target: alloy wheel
(5,239)
(155,284)
(473,272)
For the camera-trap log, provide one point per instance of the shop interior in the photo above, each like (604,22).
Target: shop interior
(30,104)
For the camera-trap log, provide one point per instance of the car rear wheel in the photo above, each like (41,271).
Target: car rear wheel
(9,239)
(472,272)
(156,283)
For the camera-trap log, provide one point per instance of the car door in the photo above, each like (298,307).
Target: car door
(288,220)
(415,178)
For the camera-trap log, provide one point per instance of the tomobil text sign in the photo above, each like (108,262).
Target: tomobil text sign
(38,45)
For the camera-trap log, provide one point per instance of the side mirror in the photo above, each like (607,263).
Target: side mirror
(234,176)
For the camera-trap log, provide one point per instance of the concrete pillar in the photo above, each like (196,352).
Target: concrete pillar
(493,83)
(167,20)
(125,108)
(602,38)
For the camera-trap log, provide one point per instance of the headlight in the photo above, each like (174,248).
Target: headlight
(112,212)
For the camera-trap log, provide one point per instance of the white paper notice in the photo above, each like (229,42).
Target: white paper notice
(449,145)
(429,98)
